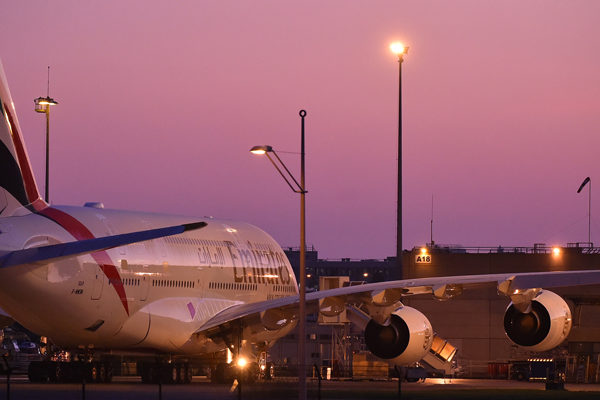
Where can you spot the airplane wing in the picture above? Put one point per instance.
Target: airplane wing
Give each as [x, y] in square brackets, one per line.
[71, 249]
[512, 285]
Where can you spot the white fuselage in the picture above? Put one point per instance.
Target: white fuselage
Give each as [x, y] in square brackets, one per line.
[150, 295]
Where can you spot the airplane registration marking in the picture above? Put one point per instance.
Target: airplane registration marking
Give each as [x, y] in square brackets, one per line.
[80, 232]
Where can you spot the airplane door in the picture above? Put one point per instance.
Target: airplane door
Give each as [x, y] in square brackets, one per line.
[98, 283]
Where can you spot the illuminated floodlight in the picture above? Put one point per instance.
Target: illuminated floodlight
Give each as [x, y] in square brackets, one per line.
[398, 49]
[242, 362]
[423, 250]
[366, 274]
[261, 150]
[556, 251]
[42, 104]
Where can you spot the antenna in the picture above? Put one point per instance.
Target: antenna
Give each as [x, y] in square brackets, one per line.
[431, 226]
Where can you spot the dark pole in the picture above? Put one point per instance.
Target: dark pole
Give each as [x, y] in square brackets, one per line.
[47, 191]
[48, 98]
[590, 214]
[585, 182]
[301, 189]
[399, 203]
[302, 272]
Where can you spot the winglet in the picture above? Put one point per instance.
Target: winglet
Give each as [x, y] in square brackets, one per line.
[193, 226]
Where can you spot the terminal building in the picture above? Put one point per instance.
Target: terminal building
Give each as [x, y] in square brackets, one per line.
[471, 323]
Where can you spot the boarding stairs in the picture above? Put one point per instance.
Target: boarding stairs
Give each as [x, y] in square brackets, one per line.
[440, 356]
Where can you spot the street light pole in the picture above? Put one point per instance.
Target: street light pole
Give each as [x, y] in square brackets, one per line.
[400, 50]
[585, 182]
[301, 189]
[302, 272]
[47, 186]
[42, 105]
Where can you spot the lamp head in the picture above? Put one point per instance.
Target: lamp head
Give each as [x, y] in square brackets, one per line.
[585, 181]
[398, 49]
[260, 150]
[42, 104]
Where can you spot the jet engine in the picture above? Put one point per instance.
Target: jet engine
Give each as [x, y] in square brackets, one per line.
[546, 326]
[405, 338]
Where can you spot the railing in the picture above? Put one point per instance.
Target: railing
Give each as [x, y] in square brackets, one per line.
[537, 248]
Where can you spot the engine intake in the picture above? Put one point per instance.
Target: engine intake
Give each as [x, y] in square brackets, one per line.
[405, 339]
[546, 326]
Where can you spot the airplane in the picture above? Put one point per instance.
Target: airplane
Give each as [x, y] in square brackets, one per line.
[99, 282]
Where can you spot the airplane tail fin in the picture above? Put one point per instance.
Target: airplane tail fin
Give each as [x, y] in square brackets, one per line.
[18, 190]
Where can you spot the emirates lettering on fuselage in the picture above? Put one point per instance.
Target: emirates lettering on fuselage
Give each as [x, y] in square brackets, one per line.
[209, 258]
[258, 264]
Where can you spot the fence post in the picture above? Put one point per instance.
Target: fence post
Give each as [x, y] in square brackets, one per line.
[319, 384]
[398, 370]
[7, 376]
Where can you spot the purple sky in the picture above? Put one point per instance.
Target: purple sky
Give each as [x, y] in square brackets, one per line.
[160, 102]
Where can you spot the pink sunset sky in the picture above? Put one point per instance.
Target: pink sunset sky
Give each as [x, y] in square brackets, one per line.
[160, 102]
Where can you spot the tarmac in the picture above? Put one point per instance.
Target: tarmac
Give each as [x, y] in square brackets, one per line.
[131, 388]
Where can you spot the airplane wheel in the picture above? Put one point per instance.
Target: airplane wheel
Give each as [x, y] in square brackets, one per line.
[251, 374]
[174, 373]
[146, 373]
[54, 372]
[165, 373]
[181, 373]
[218, 373]
[108, 374]
[269, 371]
[98, 372]
[37, 372]
[102, 372]
[187, 375]
[94, 373]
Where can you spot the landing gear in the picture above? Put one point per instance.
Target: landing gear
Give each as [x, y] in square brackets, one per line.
[40, 371]
[220, 374]
[269, 371]
[251, 373]
[100, 372]
[152, 372]
[226, 373]
[64, 371]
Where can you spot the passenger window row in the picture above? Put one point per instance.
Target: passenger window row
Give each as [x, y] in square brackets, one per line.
[177, 284]
[232, 286]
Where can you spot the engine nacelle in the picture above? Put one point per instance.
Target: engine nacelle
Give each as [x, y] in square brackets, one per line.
[545, 327]
[406, 339]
